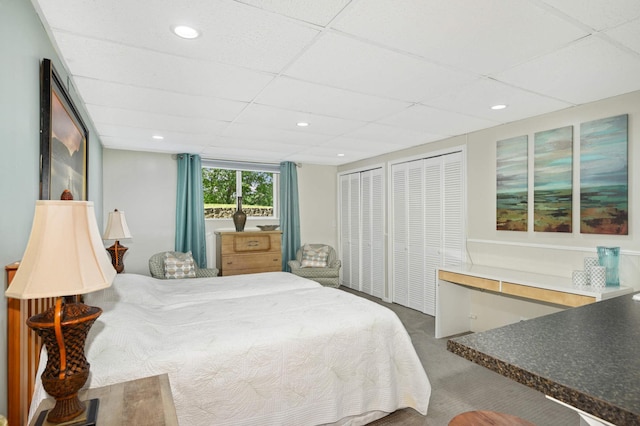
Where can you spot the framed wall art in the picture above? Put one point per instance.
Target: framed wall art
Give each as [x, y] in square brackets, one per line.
[604, 186]
[63, 140]
[553, 180]
[512, 184]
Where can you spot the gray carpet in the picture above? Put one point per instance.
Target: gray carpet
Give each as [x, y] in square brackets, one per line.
[458, 385]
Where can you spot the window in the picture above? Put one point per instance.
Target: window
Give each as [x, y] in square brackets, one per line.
[224, 181]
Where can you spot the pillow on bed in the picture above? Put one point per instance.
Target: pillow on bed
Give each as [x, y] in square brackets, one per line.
[179, 265]
[314, 257]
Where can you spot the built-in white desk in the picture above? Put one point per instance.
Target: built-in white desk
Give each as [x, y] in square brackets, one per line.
[453, 293]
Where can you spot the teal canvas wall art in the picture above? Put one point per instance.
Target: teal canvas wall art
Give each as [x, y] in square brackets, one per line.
[512, 184]
[604, 192]
[553, 180]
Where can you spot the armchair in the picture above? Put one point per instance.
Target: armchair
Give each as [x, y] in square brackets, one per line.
[328, 275]
[156, 267]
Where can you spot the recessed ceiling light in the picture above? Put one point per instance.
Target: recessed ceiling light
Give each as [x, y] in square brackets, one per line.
[302, 124]
[499, 106]
[185, 31]
[158, 137]
[340, 155]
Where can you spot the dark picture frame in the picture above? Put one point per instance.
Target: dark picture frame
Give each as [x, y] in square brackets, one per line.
[64, 140]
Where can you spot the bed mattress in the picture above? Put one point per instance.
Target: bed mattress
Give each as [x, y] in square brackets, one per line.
[259, 349]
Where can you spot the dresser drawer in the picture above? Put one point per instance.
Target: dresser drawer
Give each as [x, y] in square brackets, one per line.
[245, 243]
[246, 264]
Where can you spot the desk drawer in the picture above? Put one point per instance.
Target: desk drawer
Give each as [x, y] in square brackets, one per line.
[470, 281]
[544, 295]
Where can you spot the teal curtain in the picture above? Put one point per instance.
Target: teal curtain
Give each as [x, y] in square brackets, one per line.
[190, 231]
[289, 212]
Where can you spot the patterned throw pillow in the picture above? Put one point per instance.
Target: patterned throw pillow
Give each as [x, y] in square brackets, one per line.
[314, 257]
[179, 265]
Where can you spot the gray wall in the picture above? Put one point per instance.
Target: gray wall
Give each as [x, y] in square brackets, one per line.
[24, 44]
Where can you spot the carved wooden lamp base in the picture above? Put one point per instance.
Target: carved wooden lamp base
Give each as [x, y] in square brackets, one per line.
[88, 418]
[117, 253]
[64, 329]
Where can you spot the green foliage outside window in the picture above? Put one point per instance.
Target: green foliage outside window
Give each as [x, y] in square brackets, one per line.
[219, 189]
[219, 186]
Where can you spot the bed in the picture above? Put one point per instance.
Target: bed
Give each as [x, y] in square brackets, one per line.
[267, 349]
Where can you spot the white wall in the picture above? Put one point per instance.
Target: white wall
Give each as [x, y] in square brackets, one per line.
[550, 253]
[317, 187]
[143, 185]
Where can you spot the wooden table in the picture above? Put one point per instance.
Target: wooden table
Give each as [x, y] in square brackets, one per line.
[141, 402]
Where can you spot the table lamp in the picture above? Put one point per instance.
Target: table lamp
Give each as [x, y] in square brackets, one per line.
[117, 229]
[65, 257]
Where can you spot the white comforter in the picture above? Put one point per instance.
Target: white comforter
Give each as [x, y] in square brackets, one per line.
[261, 349]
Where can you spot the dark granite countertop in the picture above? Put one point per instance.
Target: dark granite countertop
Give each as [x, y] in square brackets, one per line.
[587, 357]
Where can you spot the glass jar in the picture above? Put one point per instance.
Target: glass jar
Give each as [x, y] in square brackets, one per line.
[609, 257]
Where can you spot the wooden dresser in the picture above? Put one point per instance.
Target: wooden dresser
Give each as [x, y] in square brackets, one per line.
[248, 252]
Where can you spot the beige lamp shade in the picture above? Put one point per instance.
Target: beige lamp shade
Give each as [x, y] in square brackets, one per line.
[65, 254]
[117, 228]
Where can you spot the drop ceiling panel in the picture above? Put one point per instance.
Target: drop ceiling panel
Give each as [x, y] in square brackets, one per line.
[313, 11]
[103, 93]
[117, 142]
[475, 99]
[479, 36]
[278, 148]
[143, 68]
[331, 154]
[367, 148]
[627, 34]
[231, 32]
[305, 158]
[583, 72]
[599, 14]
[154, 123]
[399, 136]
[436, 122]
[344, 62]
[287, 120]
[238, 130]
[297, 95]
[142, 135]
[265, 155]
[383, 73]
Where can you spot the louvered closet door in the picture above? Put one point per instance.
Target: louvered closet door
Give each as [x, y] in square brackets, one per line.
[378, 262]
[366, 284]
[400, 232]
[354, 230]
[416, 267]
[350, 229]
[345, 231]
[408, 234]
[428, 226]
[453, 224]
[433, 214]
[372, 241]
